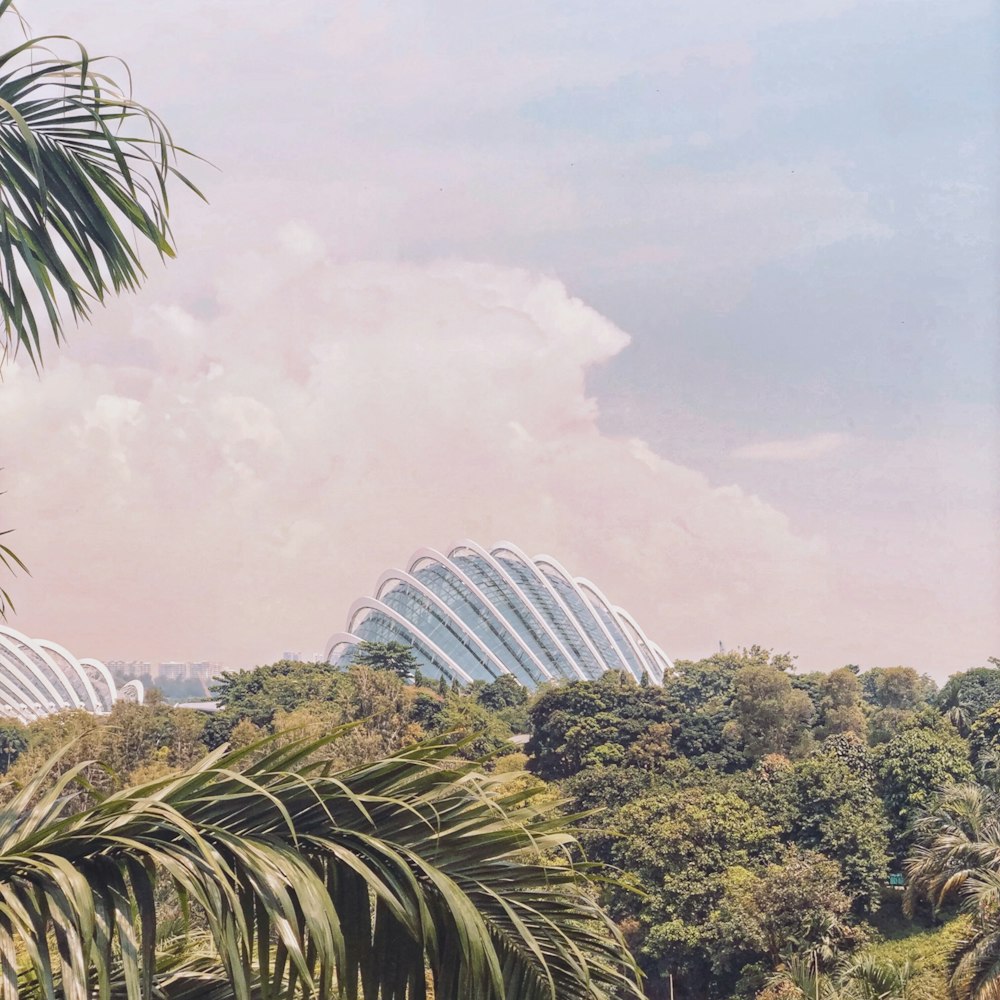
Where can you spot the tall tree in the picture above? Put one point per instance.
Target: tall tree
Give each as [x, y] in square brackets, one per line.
[913, 767]
[392, 656]
[967, 695]
[769, 714]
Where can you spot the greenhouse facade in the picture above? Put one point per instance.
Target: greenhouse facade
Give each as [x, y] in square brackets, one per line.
[476, 614]
[38, 677]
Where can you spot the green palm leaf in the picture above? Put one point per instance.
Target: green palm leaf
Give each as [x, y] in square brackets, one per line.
[957, 855]
[83, 172]
[359, 884]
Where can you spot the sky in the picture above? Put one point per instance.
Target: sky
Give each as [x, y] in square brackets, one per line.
[699, 299]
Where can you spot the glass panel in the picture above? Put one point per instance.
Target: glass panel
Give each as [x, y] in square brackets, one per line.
[585, 616]
[469, 607]
[611, 624]
[530, 630]
[557, 618]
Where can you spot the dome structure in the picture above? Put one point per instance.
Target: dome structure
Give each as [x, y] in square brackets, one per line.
[476, 614]
[38, 677]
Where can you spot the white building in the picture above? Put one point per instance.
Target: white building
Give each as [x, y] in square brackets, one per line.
[475, 614]
[39, 677]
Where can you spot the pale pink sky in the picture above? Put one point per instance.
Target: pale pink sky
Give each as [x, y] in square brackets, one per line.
[664, 295]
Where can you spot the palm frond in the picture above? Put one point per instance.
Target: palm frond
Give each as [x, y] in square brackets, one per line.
[84, 170]
[11, 562]
[357, 884]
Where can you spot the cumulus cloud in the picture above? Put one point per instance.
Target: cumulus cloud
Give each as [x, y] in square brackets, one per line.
[225, 486]
[793, 449]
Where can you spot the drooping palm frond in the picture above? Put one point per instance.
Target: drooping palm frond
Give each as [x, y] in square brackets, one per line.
[358, 884]
[83, 170]
[861, 978]
[800, 977]
[10, 561]
[957, 856]
[955, 841]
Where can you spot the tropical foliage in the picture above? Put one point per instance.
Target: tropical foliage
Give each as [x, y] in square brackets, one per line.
[957, 857]
[84, 173]
[733, 868]
[392, 879]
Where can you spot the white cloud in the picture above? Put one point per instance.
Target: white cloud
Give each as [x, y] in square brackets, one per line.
[793, 449]
[234, 494]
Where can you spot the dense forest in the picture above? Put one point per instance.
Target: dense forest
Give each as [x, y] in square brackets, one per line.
[770, 834]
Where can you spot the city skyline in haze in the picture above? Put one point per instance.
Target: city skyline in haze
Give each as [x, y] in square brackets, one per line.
[699, 299]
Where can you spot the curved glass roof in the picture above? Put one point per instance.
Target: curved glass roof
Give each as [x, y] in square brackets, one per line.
[38, 677]
[475, 614]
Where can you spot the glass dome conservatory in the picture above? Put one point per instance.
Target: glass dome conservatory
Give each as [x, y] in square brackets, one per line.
[38, 677]
[476, 614]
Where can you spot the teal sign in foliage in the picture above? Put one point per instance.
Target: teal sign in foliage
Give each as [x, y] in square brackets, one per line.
[895, 879]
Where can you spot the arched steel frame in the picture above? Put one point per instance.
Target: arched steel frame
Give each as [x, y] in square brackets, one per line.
[479, 551]
[604, 609]
[563, 575]
[645, 646]
[550, 625]
[38, 677]
[450, 619]
[433, 556]
[566, 619]
[371, 604]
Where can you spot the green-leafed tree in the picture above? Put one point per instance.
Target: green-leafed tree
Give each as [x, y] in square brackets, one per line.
[13, 742]
[505, 692]
[590, 723]
[895, 695]
[912, 769]
[823, 804]
[769, 715]
[968, 695]
[677, 847]
[391, 656]
[480, 733]
[793, 905]
[839, 705]
[375, 881]
[701, 693]
[255, 695]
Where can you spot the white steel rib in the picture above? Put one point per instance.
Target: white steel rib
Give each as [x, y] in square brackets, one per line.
[371, 604]
[599, 603]
[499, 611]
[433, 556]
[570, 583]
[450, 619]
[529, 606]
[642, 642]
[38, 677]
[565, 619]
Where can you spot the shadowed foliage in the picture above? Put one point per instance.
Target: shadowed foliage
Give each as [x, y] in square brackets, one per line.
[371, 882]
